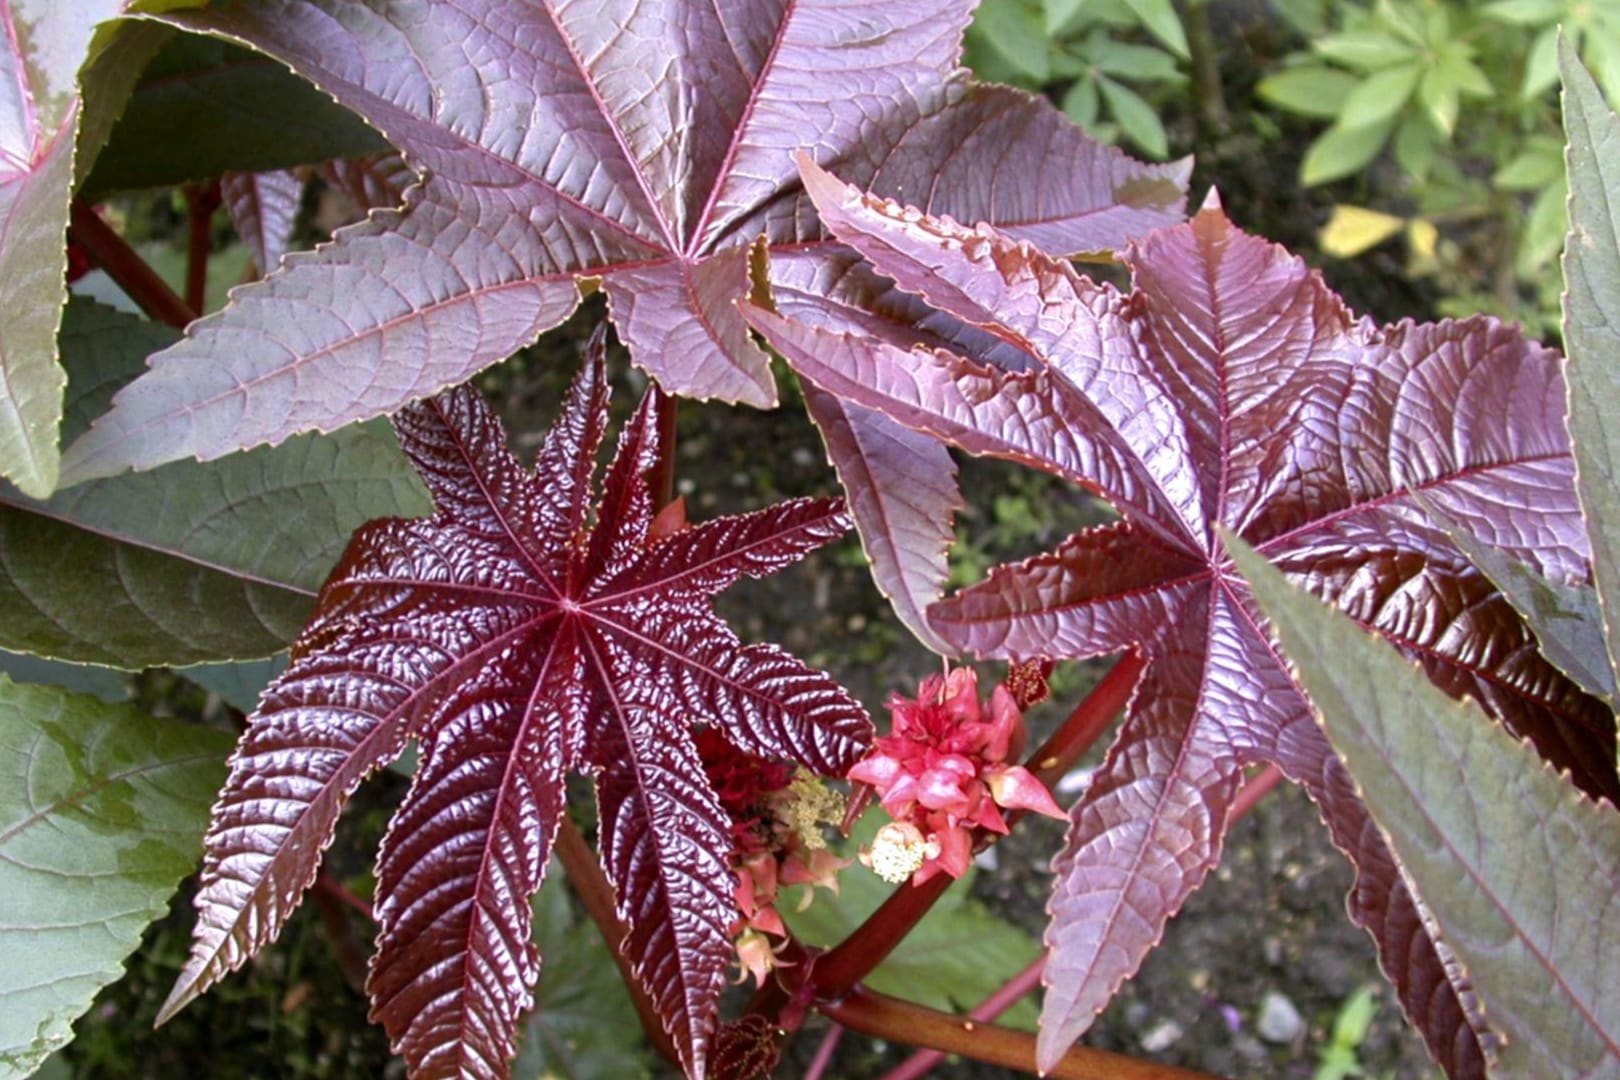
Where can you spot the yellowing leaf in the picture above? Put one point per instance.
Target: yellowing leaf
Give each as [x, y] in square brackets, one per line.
[1354, 229]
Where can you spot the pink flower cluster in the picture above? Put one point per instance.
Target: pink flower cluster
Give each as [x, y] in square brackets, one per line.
[941, 772]
[776, 817]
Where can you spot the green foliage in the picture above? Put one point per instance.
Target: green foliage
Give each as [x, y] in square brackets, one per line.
[101, 812]
[1455, 91]
[1340, 1057]
[1592, 327]
[1515, 865]
[1094, 54]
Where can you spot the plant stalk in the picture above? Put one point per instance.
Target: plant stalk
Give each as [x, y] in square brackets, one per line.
[991, 1008]
[877, 1014]
[113, 254]
[201, 202]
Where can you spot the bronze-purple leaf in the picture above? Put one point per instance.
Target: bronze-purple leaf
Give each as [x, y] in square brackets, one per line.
[646, 145]
[1230, 387]
[517, 636]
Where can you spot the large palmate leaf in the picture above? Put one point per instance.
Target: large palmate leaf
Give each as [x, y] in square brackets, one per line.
[43, 46]
[100, 810]
[518, 638]
[647, 145]
[191, 562]
[1592, 324]
[1519, 869]
[1231, 387]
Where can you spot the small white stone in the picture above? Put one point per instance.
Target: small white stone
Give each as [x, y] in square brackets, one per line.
[1279, 1020]
[1161, 1036]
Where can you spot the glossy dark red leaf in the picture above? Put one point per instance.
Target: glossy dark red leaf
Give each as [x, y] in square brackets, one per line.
[649, 146]
[518, 635]
[1230, 386]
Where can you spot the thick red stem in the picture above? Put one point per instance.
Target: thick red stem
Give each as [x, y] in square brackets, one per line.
[877, 1014]
[918, 1064]
[1252, 791]
[1089, 720]
[201, 202]
[991, 1008]
[113, 254]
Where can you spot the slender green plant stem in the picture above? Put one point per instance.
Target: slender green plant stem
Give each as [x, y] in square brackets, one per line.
[201, 202]
[113, 254]
[877, 1014]
[591, 886]
[1209, 99]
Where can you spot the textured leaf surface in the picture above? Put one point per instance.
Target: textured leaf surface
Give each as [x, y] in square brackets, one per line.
[902, 485]
[42, 47]
[204, 107]
[516, 639]
[553, 150]
[101, 807]
[263, 207]
[191, 562]
[1229, 388]
[1566, 617]
[1520, 870]
[1592, 323]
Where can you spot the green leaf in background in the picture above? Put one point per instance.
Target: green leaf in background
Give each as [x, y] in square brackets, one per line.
[1378, 97]
[1160, 17]
[1518, 868]
[191, 562]
[956, 957]
[1342, 151]
[1136, 117]
[238, 682]
[104, 683]
[102, 810]
[1364, 50]
[582, 1026]
[1017, 32]
[204, 108]
[1312, 91]
[1592, 325]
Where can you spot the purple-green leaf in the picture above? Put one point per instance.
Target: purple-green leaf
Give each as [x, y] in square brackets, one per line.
[519, 637]
[42, 47]
[552, 150]
[1229, 387]
[100, 809]
[1592, 324]
[190, 562]
[1519, 869]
